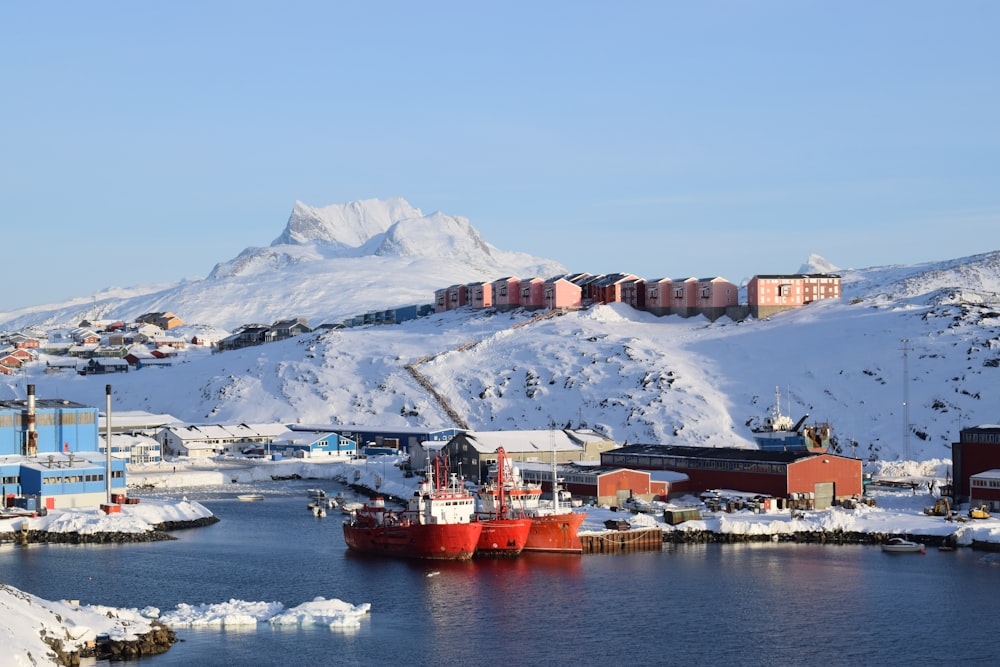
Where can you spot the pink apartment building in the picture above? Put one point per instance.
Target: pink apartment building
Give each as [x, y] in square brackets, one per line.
[480, 295]
[714, 296]
[773, 293]
[658, 296]
[560, 292]
[506, 294]
[532, 293]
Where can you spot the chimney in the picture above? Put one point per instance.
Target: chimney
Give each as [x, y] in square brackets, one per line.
[107, 441]
[31, 437]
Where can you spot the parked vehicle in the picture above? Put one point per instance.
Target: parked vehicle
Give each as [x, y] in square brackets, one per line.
[981, 512]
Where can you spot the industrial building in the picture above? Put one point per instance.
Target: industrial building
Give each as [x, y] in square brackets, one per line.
[977, 451]
[828, 477]
[49, 455]
[472, 453]
[602, 485]
[984, 489]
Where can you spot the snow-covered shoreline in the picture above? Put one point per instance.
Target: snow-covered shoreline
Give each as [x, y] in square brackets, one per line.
[893, 512]
[144, 521]
[35, 631]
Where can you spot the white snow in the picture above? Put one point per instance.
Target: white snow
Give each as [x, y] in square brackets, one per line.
[133, 518]
[27, 618]
[235, 613]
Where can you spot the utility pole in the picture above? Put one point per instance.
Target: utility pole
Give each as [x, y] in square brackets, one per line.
[906, 398]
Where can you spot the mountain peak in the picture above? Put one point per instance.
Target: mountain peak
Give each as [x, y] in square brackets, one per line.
[816, 264]
[344, 226]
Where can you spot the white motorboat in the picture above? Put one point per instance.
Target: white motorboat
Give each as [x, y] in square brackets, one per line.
[897, 545]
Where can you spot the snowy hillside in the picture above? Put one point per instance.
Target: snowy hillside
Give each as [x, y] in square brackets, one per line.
[933, 329]
[328, 264]
[638, 377]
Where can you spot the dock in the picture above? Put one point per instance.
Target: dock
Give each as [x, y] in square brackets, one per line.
[622, 541]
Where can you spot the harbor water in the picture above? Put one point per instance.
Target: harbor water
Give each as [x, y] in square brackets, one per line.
[732, 604]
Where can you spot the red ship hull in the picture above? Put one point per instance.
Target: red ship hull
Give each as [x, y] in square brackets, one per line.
[555, 533]
[433, 541]
[502, 538]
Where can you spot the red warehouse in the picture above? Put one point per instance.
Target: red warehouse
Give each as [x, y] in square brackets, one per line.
[829, 476]
[977, 451]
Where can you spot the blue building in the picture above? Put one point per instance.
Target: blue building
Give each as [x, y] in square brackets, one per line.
[49, 451]
[57, 426]
[310, 444]
[389, 440]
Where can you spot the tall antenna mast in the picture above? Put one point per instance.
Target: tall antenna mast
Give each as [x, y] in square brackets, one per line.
[906, 398]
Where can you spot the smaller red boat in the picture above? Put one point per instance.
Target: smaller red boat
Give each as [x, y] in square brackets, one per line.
[505, 527]
[553, 527]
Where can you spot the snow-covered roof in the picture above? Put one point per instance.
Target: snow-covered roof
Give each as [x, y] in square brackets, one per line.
[125, 419]
[667, 476]
[531, 441]
[194, 432]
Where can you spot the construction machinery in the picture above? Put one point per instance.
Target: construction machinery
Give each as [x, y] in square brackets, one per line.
[981, 512]
[941, 508]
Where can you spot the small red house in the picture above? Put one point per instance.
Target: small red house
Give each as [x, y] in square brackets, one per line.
[559, 292]
[532, 293]
[506, 293]
[658, 296]
[480, 295]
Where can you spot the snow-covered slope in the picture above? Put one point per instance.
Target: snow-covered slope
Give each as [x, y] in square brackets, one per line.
[638, 377]
[928, 335]
[328, 264]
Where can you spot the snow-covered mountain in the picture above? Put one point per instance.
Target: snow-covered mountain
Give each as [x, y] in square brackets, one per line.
[329, 263]
[927, 335]
[817, 264]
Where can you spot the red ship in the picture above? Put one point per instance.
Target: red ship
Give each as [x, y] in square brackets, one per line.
[553, 527]
[505, 525]
[437, 523]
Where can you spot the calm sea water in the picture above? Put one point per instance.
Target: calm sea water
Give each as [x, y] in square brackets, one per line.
[759, 604]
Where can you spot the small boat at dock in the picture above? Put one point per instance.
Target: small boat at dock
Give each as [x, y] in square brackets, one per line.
[897, 545]
[351, 507]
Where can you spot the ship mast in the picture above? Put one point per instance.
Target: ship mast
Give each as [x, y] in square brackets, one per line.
[500, 509]
[555, 480]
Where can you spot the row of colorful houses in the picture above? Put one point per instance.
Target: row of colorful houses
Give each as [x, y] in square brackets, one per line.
[687, 297]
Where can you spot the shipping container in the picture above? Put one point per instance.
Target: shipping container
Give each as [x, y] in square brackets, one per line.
[676, 516]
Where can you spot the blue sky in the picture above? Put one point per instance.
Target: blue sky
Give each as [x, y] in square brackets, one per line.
[144, 142]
